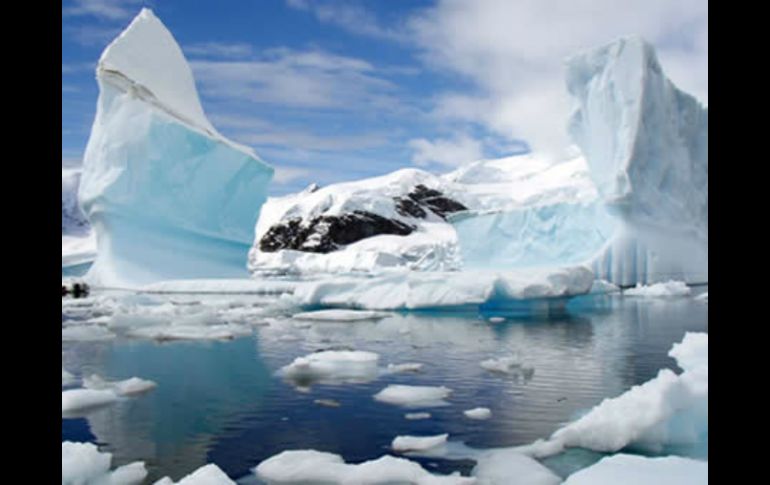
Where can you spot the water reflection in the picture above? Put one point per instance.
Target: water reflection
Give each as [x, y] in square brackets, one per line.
[224, 402]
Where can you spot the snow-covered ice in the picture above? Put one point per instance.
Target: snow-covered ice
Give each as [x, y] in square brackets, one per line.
[340, 315]
[670, 409]
[166, 194]
[659, 290]
[417, 443]
[478, 413]
[412, 290]
[332, 366]
[310, 466]
[83, 463]
[128, 387]
[641, 470]
[206, 475]
[417, 416]
[414, 396]
[73, 400]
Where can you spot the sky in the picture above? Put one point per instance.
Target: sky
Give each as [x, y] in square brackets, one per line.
[336, 90]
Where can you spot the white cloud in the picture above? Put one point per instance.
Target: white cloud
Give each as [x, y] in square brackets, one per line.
[514, 53]
[283, 175]
[446, 151]
[306, 79]
[351, 17]
[104, 9]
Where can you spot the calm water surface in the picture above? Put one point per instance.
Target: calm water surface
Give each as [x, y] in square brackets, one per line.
[222, 402]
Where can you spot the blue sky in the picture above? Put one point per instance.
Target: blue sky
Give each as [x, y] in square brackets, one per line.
[336, 90]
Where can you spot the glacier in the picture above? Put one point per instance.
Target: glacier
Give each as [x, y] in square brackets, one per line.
[168, 197]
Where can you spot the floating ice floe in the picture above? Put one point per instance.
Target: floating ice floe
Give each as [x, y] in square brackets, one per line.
[332, 366]
[507, 365]
[206, 475]
[417, 443]
[74, 400]
[704, 297]
[496, 319]
[478, 413]
[86, 333]
[641, 470]
[659, 290]
[405, 367]
[499, 467]
[310, 466]
[83, 463]
[191, 332]
[341, 315]
[414, 396]
[131, 386]
[416, 416]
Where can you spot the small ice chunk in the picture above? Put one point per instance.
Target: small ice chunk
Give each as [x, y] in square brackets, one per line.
[416, 416]
[206, 475]
[659, 290]
[496, 320]
[418, 443]
[642, 470]
[83, 463]
[414, 396]
[86, 333]
[406, 367]
[505, 365]
[67, 379]
[704, 297]
[341, 315]
[79, 399]
[338, 366]
[478, 413]
[310, 466]
[329, 403]
[133, 385]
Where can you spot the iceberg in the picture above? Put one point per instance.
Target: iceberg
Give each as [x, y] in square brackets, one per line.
[83, 463]
[78, 243]
[168, 197]
[646, 143]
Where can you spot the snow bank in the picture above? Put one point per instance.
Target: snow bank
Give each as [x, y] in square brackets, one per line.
[167, 196]
[417, 443]
[83, 463]
[414, 396]
[206, 475]
[639, 470]
[659, 290]
[310, 466]
[478, 413]
[332, 366]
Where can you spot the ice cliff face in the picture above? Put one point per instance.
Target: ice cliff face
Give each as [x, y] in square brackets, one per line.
[167, 195]
[646, 143]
